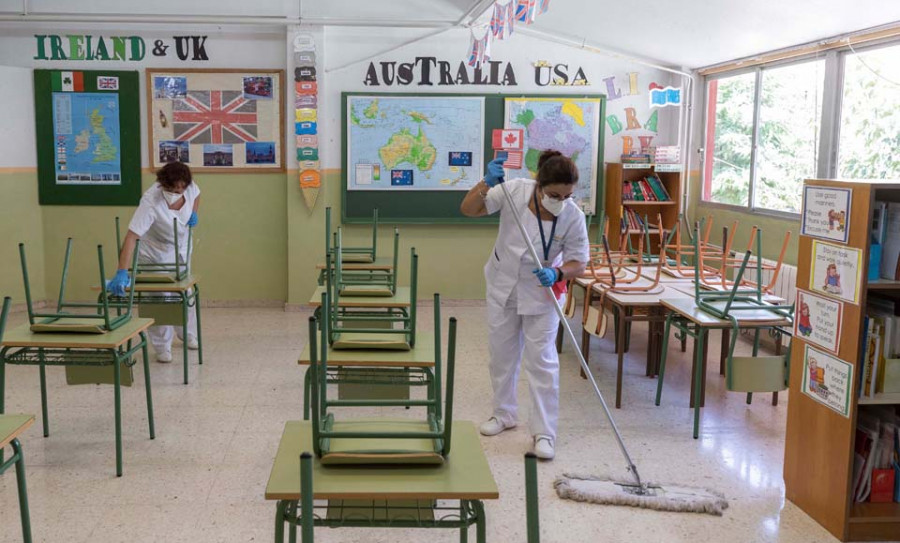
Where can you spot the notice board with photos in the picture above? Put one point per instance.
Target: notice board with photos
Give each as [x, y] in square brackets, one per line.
[216, 120]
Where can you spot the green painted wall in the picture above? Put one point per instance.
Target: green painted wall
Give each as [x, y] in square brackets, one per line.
[240, 243]
[20, 221]
[773, 228]
[451, 257]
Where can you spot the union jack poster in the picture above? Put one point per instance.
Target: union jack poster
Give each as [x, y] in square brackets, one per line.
[217, 120]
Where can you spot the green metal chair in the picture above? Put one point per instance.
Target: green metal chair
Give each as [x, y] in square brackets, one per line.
[100, 321]
[372, 328]
[162, 272]
[17, 459]
[354, 254]
[532, 512]
[361, 283]
[424, 440]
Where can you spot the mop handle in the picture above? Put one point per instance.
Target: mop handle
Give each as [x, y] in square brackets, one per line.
[562, 318]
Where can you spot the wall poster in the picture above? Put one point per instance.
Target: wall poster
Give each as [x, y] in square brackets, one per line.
[826, 213]
[827, 380]
[818, 320]
[835, 271]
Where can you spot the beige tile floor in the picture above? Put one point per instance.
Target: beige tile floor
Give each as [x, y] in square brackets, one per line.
[203, 478]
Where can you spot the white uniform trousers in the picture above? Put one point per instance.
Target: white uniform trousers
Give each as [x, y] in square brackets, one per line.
[161, 336]
[529, 340]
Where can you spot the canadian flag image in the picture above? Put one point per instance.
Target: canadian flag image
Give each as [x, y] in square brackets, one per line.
[506, 139]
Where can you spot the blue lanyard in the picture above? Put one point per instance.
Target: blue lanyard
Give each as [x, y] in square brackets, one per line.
[546, 246]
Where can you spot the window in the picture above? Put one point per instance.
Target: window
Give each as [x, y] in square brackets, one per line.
[784, 118]
[870, 115]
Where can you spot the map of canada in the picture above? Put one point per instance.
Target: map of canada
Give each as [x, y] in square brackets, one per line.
[86, 132]
[568, 125]
[405, 142]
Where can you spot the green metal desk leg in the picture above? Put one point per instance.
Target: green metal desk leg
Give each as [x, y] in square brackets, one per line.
[662, 357]
[45, 418]
[117, 371]
[279, 521]
[464, 528]
[146, 356]
[698, 379]
[23, 493]
[199, 333]
[480, 522]
[184, 331]
[306, 392]
[306, 500]
[2, 390]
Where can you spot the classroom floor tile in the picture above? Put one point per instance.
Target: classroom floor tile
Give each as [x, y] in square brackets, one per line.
[203, 478]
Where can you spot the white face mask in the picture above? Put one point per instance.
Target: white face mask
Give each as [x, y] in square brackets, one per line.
[553, 205]
[172, 198]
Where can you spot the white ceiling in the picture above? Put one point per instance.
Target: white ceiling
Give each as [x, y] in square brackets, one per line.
[688, 33]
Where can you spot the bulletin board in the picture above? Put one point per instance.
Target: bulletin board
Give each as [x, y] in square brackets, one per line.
[88, 137]
[438, 197]
[216, 120]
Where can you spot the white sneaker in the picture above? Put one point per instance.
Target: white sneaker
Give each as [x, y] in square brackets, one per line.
[164, 356]
[192, 343]
[543, 447]
[493, 426]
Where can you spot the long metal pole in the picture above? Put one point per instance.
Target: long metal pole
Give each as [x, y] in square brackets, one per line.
[562, 318]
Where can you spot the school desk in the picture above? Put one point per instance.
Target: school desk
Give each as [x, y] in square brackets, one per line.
[118, 348]
[381, 497]
[380, 265]
[11, 427]
[168, 304]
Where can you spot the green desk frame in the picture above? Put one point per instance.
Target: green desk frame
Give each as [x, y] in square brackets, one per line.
[379, 497]
[117, 349]
[11, 426]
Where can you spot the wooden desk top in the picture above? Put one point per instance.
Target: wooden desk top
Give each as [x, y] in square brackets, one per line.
[420, 356]
[22, 336]
[464, 475]
[180, 286]
[11, 426]
[687, 308]
[380, 264]
[398, 300]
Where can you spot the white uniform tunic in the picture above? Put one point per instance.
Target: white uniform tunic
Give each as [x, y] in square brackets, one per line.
[521, 319]
[153, 223]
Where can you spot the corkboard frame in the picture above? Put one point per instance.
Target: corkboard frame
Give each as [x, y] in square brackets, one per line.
[279, 88]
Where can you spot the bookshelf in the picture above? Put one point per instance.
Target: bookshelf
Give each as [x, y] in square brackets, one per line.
[820, 442]
[616, 176]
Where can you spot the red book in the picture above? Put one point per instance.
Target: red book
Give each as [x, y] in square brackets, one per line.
[882, 486]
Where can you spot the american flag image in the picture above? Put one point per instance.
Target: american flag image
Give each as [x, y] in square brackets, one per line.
[214, 117]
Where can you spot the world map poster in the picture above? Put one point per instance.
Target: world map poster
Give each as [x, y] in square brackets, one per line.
[414, 143]
[86, 137]
[568, 125]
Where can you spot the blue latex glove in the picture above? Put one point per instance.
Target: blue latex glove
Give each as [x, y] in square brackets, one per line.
[192, 222]
[119, 283]
[494, 174]
[547, 276]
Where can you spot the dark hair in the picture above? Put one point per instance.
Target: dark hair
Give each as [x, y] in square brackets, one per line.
[555, 168]
[173, 174]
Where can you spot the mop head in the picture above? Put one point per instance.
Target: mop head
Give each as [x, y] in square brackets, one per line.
[662, 497]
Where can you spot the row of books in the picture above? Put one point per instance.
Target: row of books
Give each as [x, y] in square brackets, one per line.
[633, 219]
[648, 189]
[635, 157]
[876, 458]
[881, 365]
[886, 233]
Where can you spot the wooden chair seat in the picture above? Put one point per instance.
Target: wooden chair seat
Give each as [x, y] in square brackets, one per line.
[367, 290]
[359, 340]
[67, 328]
[147, 277]
[357, 451]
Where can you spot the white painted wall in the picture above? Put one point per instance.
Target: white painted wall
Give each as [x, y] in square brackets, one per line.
[17, 147]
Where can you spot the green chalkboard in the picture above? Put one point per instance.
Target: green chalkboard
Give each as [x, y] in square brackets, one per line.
[437, 206]
[84, 157]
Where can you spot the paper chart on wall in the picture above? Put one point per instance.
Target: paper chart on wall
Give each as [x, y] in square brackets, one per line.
[826, 213]
[818, 320]
[835, 271]
[827, 380]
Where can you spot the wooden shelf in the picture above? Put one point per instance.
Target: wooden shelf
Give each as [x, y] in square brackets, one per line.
[883, 284]
[658, 167]
[880, 399]
[875, 512]
[647, 203]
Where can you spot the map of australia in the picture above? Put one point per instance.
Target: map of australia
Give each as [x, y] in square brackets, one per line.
[568, 125]
[405, 143]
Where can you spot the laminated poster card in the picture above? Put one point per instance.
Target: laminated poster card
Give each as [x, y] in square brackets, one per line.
[835, 271]
[818, 320]
[827, 380]
[826, 213]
